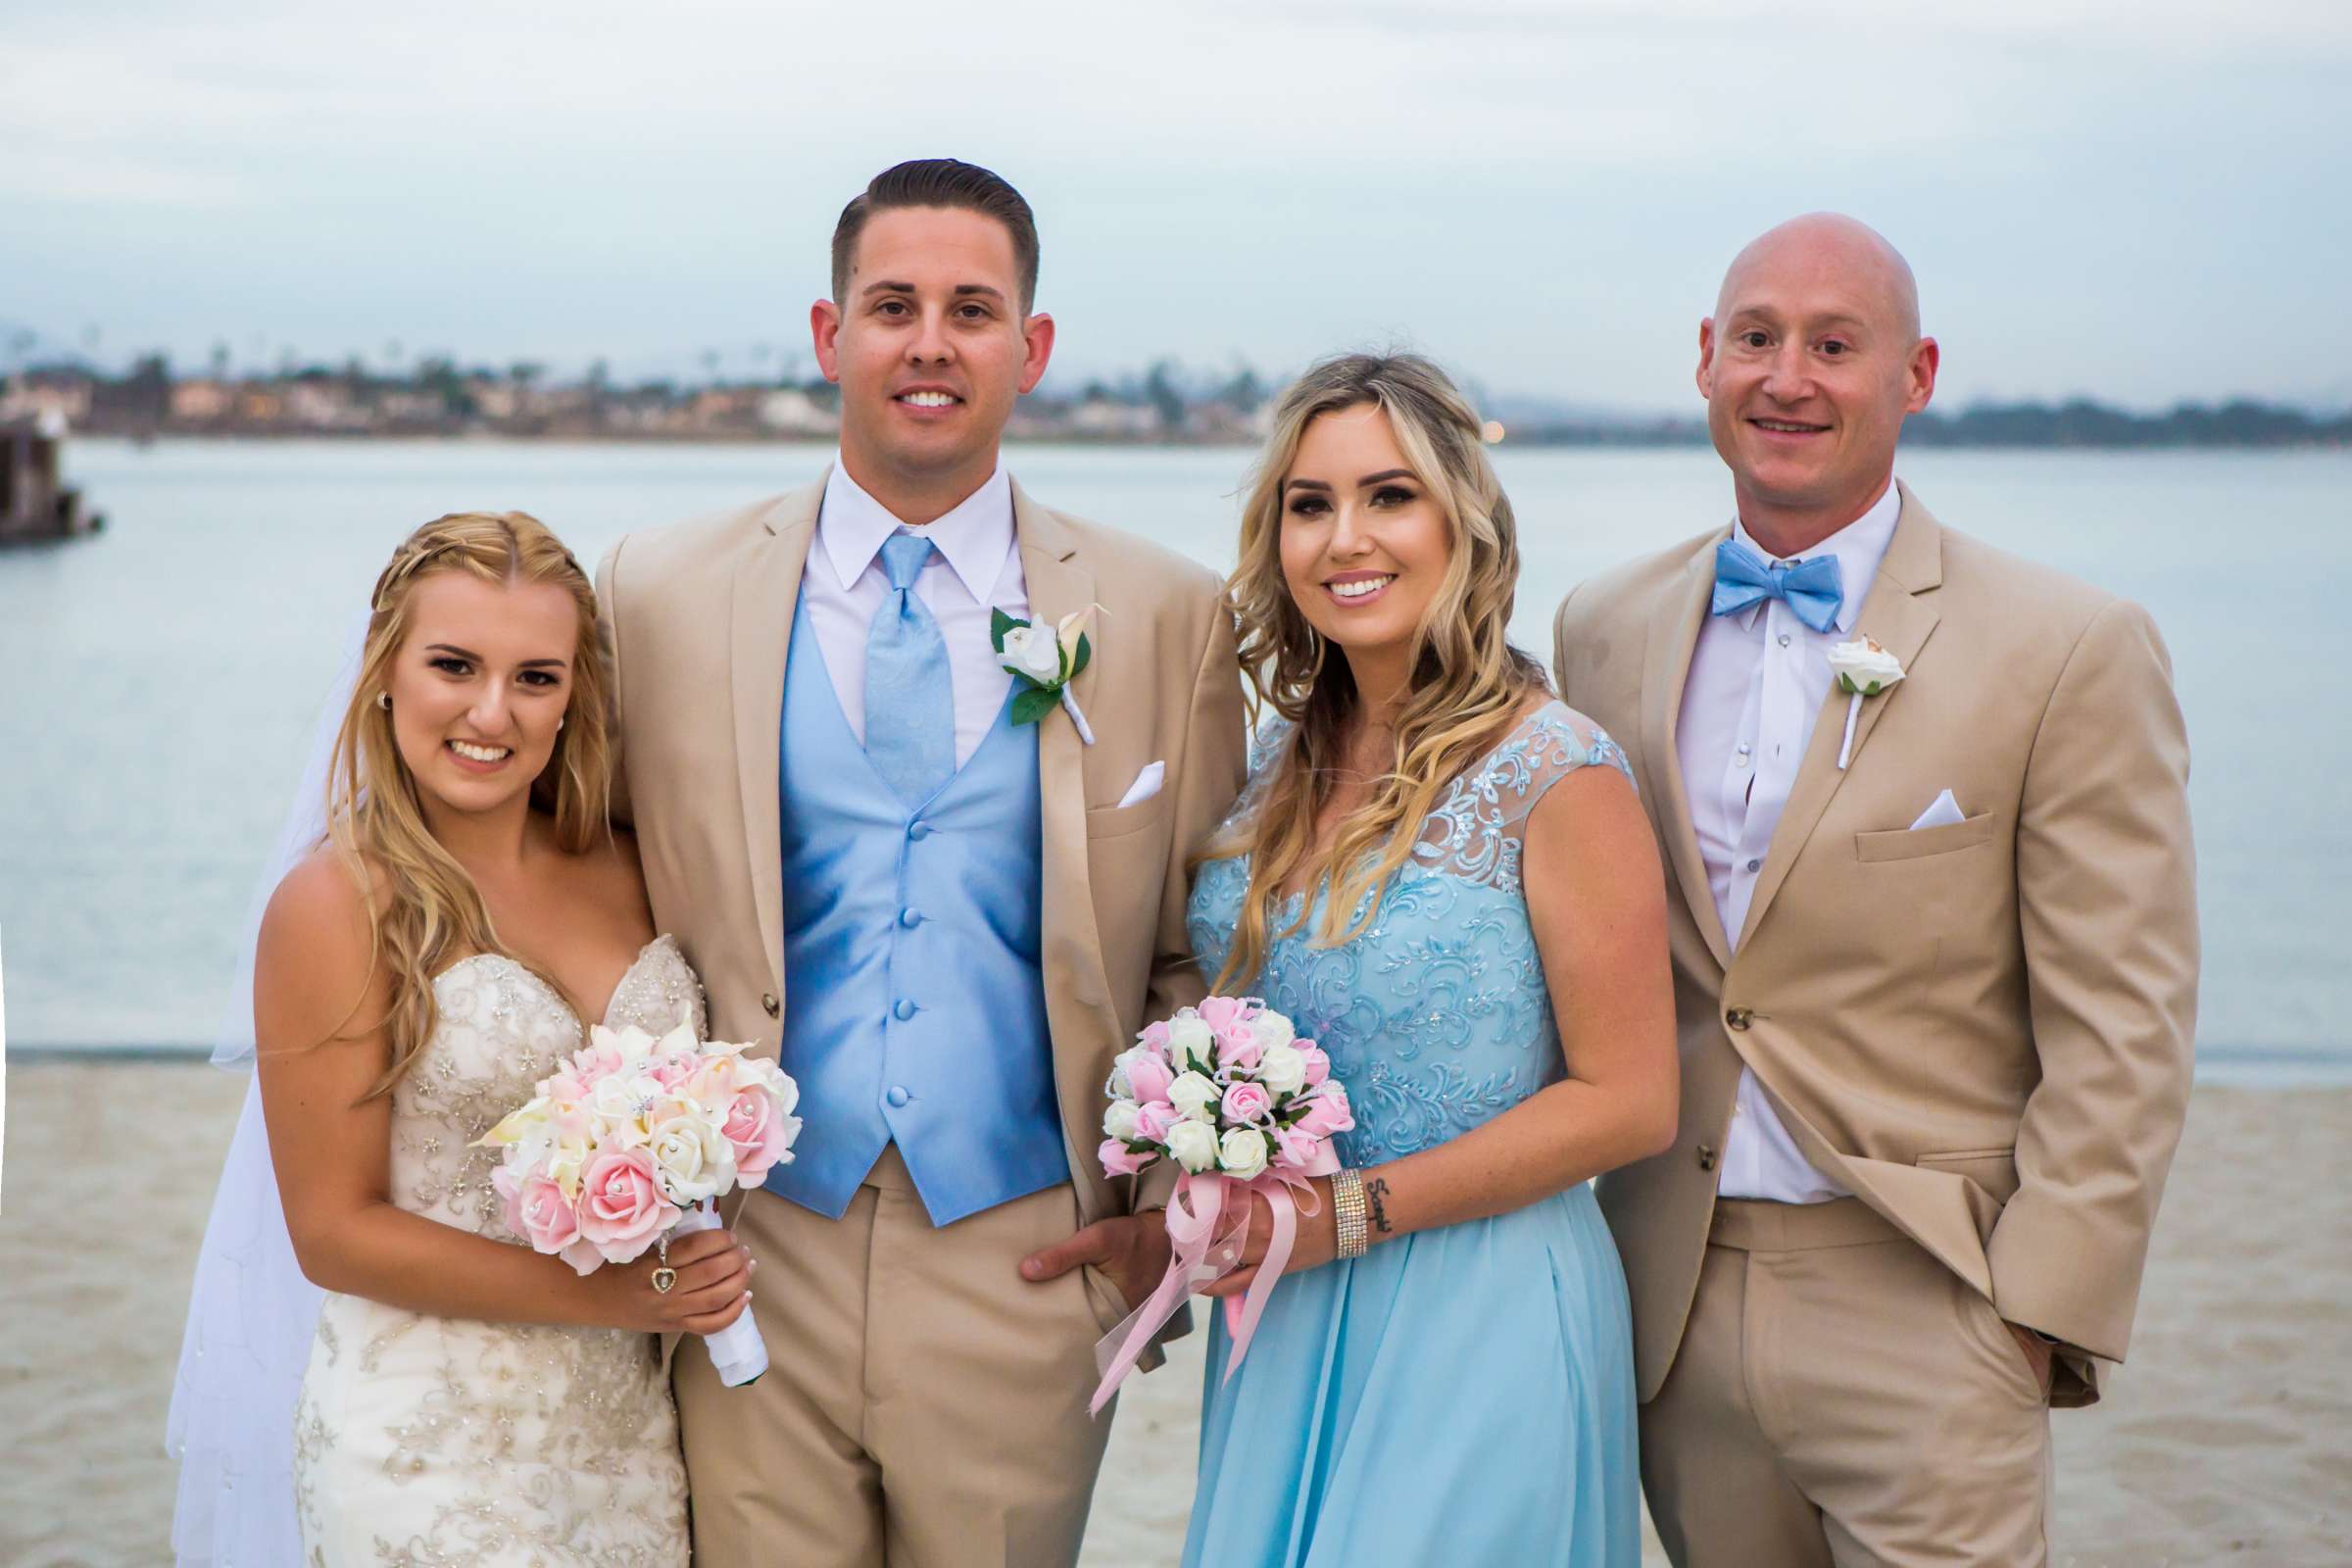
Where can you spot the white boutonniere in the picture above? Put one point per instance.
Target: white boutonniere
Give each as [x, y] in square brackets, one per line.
[1045, 659]
[1863, 669]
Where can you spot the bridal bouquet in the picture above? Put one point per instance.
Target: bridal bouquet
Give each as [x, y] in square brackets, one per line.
[631, 1143]
[1241, 1105]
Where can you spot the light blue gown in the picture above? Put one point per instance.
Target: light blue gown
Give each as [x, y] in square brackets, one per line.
[1458, 1395]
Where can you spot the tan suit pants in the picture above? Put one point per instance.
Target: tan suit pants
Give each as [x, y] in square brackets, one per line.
[1842, 1398]
[924, 1405]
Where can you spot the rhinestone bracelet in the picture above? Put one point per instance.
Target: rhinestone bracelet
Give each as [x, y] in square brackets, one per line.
[1349, 1210]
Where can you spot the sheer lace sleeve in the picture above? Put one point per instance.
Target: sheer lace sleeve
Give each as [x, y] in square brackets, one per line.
[1474, 832]
[1266, 747]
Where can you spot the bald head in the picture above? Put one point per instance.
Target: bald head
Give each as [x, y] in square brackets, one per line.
[1810, 364]
[1837, 252]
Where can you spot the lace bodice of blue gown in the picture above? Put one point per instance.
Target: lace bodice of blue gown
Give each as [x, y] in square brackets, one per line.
[1458, 1394]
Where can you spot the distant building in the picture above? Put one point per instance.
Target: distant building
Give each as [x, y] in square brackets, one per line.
[32, 504]
[789, 410]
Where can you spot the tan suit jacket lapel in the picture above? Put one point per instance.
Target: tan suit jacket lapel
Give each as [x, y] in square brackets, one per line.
[767, 590]
[1901, 622]
[1078, 1008]
[1672, 637]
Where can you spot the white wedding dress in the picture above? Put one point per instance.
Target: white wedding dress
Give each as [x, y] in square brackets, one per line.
[422, 1439]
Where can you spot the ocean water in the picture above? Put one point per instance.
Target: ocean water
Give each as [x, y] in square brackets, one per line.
[158, 682]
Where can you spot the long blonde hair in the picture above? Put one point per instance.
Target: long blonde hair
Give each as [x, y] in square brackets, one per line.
[1467, 685]
[428, 913]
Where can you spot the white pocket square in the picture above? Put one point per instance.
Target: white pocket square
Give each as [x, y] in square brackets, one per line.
[1942, 812]
[1147, 784]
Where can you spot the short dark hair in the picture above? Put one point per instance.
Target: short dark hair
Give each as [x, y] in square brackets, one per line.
[940, 182]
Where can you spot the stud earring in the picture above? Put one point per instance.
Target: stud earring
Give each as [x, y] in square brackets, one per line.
[383, 699]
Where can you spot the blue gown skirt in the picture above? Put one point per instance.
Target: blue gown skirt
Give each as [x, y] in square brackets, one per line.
[1459, 1395]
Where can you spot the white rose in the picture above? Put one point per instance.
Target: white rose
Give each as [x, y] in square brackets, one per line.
[1196, 1097]
[1282, 1069]
[1194, 1144]
[693, 1162]
[1271, 1029]
[1033, 650]
[1118, 1088]
[1862, 667]
[1243, 1152]
[1119, 1120]
[1191, 1042]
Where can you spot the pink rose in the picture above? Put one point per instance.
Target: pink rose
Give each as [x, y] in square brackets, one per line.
[1247, 1103]
[673, 1070]
[1148, 1076]
[621, 1207]
[1318, 1066]
[1237, 1047]
[592, 1062]
[1327, 1112]
[537, 1212]
[1155, 1036]
[761, 1133]
[1221, 1013]
[1121, 1160]
[1153, 1119]
[1295, 1146]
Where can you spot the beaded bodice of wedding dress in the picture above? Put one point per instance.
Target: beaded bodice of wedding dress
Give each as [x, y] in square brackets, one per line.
[422, 1439]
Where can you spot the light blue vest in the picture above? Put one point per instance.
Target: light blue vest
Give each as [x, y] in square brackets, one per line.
[914, 1008]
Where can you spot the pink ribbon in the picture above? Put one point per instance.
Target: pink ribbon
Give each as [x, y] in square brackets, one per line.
[1204, 1256]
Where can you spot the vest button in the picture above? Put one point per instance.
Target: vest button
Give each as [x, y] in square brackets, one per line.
[1706, 1157]
[910, 918]
[918, 831]
[768, 1001]
[897, 1097]
[903, 1011]
[1738, 1018]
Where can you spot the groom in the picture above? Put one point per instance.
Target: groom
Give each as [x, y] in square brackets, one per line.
[1937, 991]
[945, 911]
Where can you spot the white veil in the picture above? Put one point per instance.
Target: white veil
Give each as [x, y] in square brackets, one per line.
[251, 1314]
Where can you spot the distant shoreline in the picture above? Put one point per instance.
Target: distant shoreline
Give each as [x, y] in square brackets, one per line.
[1687, 440]
[2246, 1066]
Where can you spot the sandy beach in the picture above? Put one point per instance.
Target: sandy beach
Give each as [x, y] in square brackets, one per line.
[2227, 1437]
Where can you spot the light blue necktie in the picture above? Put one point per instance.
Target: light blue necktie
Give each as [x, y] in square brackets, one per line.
[1812, 589]
[909, 700]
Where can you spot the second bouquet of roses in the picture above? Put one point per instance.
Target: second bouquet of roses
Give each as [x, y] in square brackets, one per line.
[1230, 1094]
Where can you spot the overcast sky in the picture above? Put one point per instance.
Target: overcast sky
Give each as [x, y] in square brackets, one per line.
[2145, 202]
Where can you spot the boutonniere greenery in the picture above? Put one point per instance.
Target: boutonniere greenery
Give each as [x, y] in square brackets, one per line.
[1044, 657]
[1863, 669]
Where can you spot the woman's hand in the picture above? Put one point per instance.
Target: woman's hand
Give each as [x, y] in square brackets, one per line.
[712, 1288]
[1316, 1244]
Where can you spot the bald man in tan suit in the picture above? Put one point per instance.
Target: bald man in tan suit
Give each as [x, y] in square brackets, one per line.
[1936, 989]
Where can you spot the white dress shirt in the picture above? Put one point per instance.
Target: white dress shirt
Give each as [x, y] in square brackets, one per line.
[1758, 679]
[975, 567]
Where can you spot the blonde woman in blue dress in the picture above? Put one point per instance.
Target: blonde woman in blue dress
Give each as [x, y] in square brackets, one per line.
[1445, 877]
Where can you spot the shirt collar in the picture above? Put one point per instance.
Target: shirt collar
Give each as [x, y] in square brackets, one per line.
[1860, 546]
[974, 538]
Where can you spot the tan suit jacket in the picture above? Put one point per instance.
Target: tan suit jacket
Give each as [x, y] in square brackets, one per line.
[698, 618]
[1983, 1030]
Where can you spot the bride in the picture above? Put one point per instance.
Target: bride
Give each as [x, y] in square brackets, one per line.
[467, 1399]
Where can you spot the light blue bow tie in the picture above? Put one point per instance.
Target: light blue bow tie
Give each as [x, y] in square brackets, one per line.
[1812, 589]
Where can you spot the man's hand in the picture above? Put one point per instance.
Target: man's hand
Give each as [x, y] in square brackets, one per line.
[1132, 1249]
[2038, 1355]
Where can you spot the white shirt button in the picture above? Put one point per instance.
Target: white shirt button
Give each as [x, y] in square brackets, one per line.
[1784, 639]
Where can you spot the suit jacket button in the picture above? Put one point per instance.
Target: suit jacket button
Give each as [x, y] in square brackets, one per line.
[1738, 1018]
[768, 1000]
[1706, 1157]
